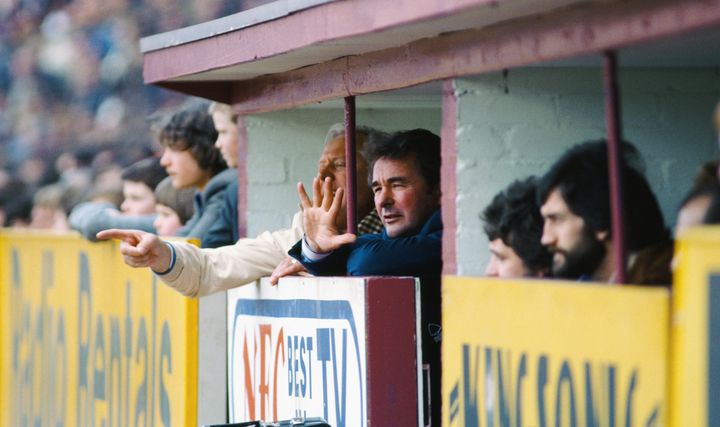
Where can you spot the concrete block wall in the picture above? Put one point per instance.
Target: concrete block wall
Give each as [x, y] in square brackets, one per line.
[516, 124]
[284, 146]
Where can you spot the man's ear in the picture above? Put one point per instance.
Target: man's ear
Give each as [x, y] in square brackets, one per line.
[602, 236]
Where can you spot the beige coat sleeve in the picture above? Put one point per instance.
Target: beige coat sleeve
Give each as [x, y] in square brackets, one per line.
[198, 272]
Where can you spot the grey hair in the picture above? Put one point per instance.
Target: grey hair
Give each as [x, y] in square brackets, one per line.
[371, 134]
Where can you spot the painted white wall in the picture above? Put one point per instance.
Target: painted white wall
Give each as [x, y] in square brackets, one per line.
[514, 126]
[212, 359]
[284, 146]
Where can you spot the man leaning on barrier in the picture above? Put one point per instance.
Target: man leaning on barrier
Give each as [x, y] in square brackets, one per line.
[197, 272]
[406, 185]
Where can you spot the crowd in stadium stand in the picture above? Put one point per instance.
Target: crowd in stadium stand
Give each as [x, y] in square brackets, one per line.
[73, 106]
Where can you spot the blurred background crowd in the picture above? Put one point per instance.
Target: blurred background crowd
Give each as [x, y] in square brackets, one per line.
[73, 107]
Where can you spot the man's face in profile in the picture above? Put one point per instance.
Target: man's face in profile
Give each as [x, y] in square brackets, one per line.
[576, 250]
[403, 199]
[504, 261]
[228, 137]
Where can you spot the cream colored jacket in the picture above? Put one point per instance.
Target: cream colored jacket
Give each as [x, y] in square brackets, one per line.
[230, 266]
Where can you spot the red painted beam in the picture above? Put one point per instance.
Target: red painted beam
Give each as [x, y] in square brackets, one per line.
[448, 177]
[392, 356]
[217, 91]
[590, 28]
[615, 175]
[350, 165]
[330, 22]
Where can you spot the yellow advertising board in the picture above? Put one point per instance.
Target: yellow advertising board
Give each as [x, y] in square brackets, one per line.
[540, 353]
[695, 353]
[87, 341]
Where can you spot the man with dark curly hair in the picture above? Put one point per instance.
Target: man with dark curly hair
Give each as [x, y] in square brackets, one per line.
[192, 161]
[575, 203]
[514, 226]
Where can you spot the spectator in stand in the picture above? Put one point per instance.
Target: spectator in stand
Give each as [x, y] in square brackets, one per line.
[35, 173]
[225, 230]
[70, 72]
[48, 212]
[198, 272]
[139, 182]
[707, 173]
[696, 206]
[137, 210]
[712, 216]
[15, 202]
[174, 208]
[575, 205]
[3, 209]
[192, 161]
[514, 227]
[701, 206]
[18, 211]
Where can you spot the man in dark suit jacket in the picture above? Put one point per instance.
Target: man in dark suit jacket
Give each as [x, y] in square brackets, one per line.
[405, 182]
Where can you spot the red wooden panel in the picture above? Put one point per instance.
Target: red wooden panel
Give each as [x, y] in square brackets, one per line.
[392, 371]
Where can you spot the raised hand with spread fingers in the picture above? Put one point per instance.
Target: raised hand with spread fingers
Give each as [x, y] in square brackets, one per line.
[320, 217]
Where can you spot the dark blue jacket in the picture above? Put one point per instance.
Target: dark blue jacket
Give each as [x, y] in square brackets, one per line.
[224, 231]
[417, 255]
[208, 205]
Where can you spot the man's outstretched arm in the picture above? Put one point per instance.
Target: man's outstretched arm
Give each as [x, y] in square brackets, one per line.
[142, 249]
[199, 272]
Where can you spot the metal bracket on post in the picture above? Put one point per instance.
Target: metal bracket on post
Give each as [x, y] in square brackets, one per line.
[350, 165]
[614, 138]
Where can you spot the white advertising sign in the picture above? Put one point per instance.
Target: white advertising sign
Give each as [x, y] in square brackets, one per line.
[298, 350]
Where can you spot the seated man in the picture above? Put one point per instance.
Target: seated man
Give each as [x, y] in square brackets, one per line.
[137, 210]
[575, 204]
[197, 272]
[192, 161]
[696, 205]
[701, 205]
[174, 207]
[406, 184]
[224, 231]
[712, 216]
[514, 227]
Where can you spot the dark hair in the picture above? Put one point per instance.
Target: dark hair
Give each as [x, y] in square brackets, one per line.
[514, 217]
[192, 129]
[421, 143]
[581, 176]
[18, 208]
[712, 216]
[711, 190]
[148, 171]
[179, 200]
[707, 174]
